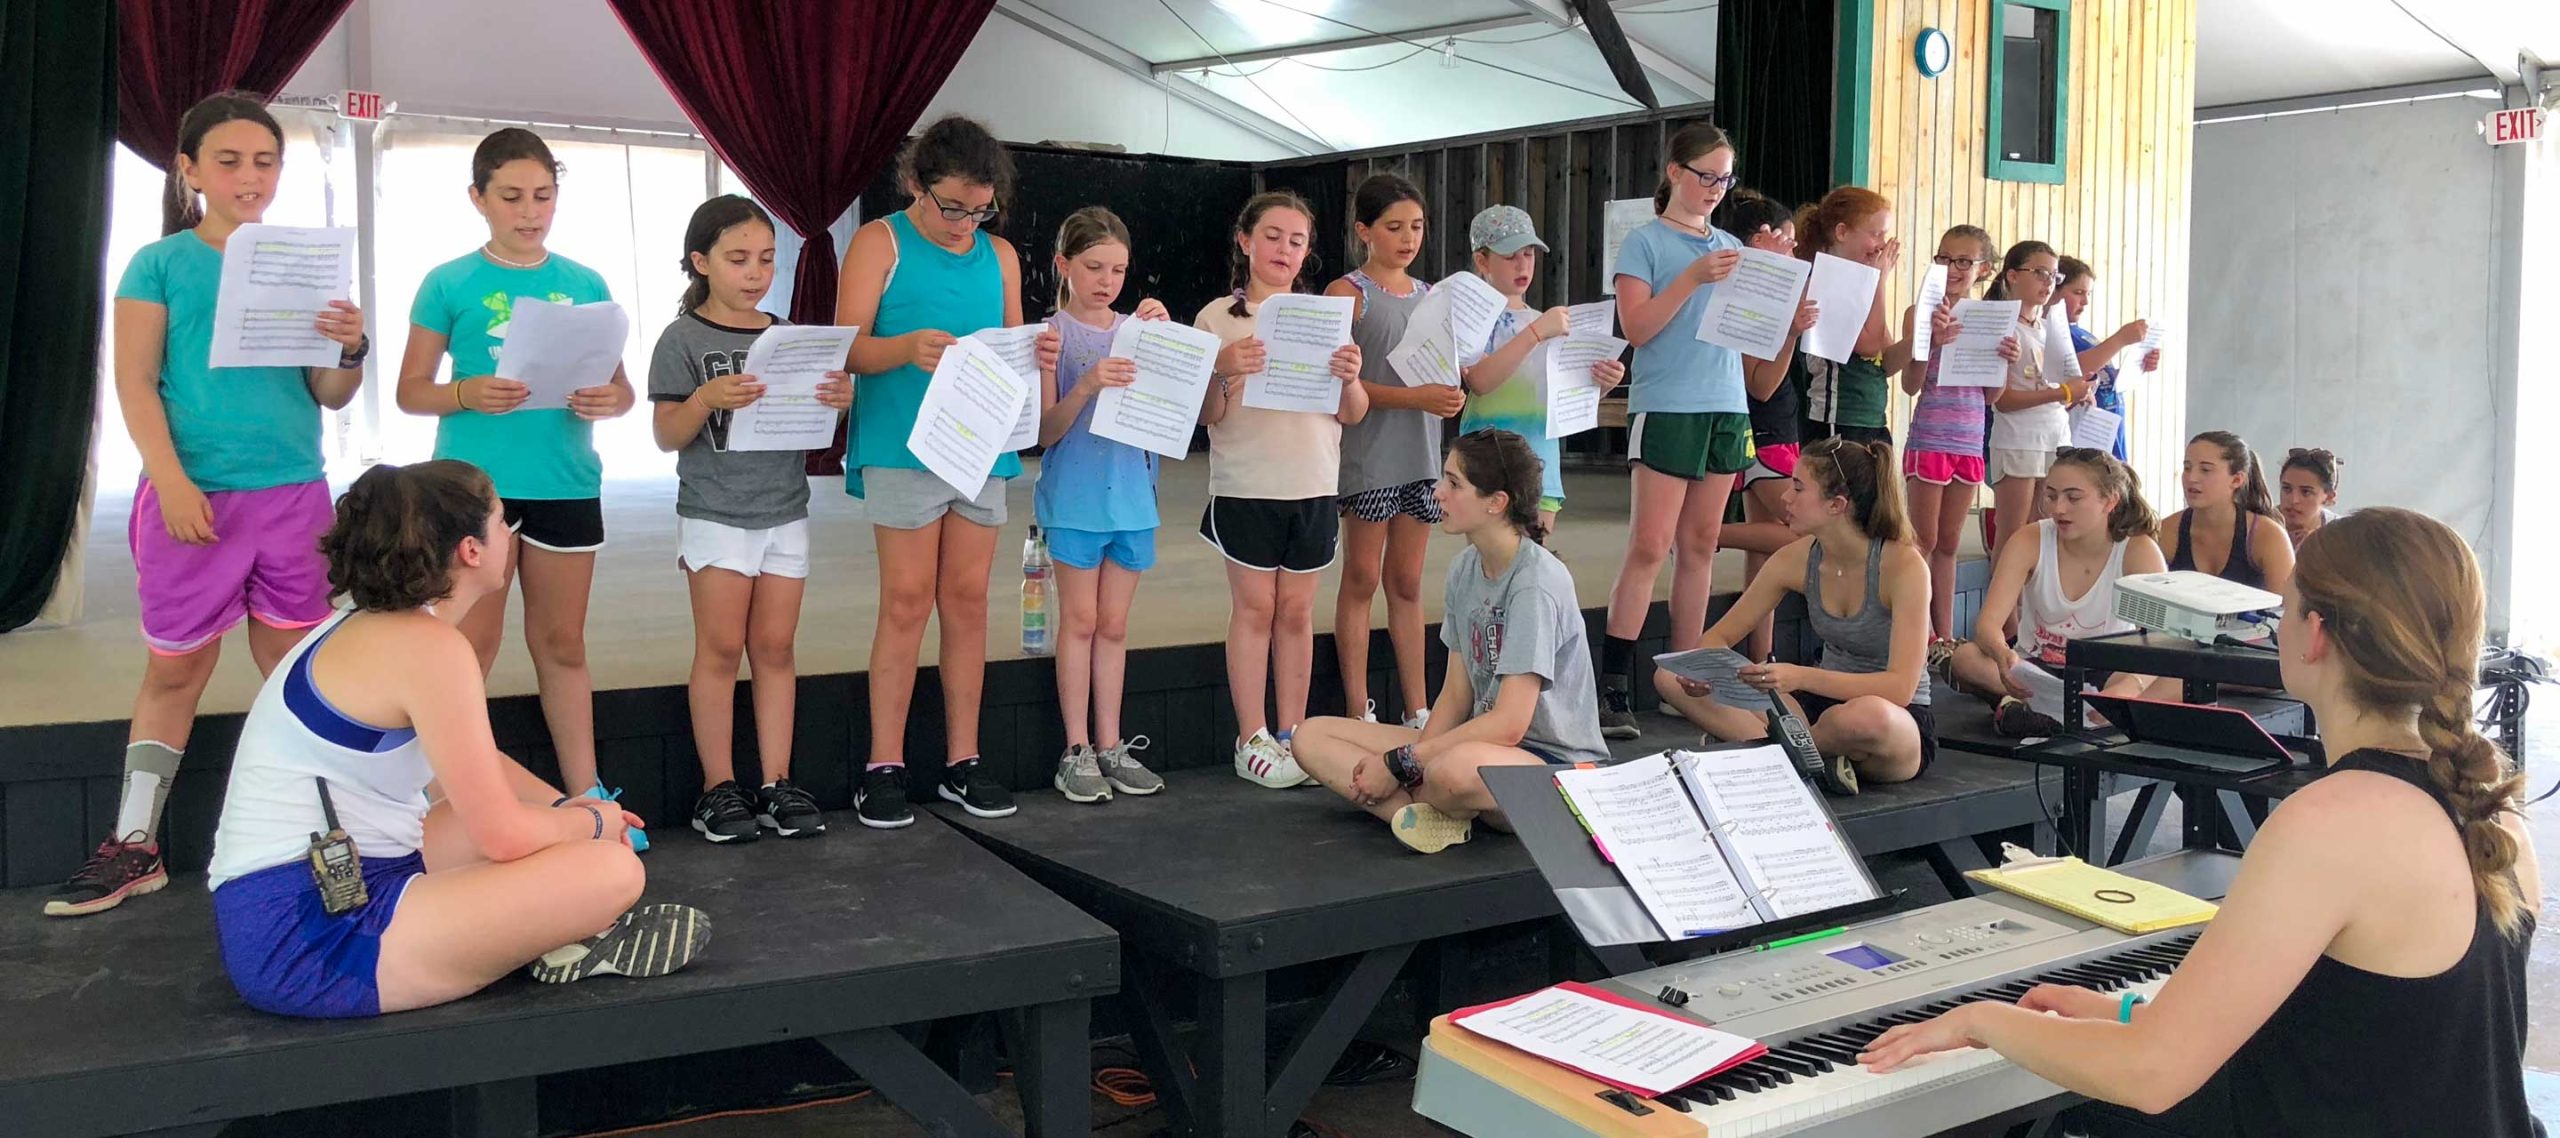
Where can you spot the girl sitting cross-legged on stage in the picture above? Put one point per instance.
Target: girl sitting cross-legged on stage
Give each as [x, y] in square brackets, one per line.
[376, 724]
[1866, 592]
[1519, 690]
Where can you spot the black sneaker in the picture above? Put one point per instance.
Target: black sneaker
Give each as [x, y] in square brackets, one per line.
[1617, 712]
[969, 784]
[788, 811]
[725, 814]
[123, 867]
[648, 942]
[881, 801]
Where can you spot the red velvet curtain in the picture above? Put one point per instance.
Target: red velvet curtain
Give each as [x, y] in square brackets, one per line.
[172, 53]
[805, 100]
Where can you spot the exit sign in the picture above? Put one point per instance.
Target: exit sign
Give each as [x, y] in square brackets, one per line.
[366, 105]
[2523, 124]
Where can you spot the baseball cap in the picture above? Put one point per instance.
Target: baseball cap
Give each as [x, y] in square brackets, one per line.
[1503, 229]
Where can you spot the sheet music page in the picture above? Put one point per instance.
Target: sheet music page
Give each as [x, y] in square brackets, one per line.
[1157, 411]
[1933, 292]
[1972, 359]
[1299, 334]
[1846, 290]
[1660, 845]
[968, 412]
[1573, 396]
[555, 349]
[276, 281]
[1019, 347]
[1783, 843]
[790, 360]
[1753, 308]
[1630, 1047]
[1722, 669]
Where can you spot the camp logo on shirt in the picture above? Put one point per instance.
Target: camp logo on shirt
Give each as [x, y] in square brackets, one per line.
[715, 364]
[503, 307]
[1484, 649]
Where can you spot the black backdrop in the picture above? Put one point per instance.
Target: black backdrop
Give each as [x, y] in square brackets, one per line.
[1781, 56]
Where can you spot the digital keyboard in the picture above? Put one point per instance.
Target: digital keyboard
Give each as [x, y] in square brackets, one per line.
[1815, 1005]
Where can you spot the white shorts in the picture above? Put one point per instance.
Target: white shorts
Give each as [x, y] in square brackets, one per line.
[2007, 463]
[782, 550]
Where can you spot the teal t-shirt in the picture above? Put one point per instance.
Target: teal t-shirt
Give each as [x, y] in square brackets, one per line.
[536, 454]
[235, 428]
[929, 287]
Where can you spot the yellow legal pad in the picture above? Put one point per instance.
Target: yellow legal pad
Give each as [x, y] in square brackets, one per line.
[2125, 904]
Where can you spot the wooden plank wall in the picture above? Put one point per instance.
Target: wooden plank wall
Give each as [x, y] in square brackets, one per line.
[2123, 202]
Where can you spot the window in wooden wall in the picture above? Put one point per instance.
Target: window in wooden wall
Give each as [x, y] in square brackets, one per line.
[2030, 85]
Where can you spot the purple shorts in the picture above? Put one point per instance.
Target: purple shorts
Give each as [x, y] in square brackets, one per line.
[266, 563]
[289, 957]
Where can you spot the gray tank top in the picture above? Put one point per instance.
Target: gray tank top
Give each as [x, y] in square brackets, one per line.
[1386, 448]
[1860, 643]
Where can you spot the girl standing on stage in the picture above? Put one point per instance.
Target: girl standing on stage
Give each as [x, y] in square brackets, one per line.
[1391, 457]
[1096, 502]
[2058, 578]
[915, 282]
[2366, 972]
[1867, 700]
[2307, 487]
[378, 724]
[1272, 476]
[1848, 400]
[742, 522]
[1518, 690]
[1777, 425]
[2229, 528]
[232, 499]
[1943, 469]
[2031, 415]
[2098, 357]
[1506, 376]
[543, 460]
[1689, 430]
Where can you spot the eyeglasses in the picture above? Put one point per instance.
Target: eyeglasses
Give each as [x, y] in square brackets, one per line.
[952, 212]
[1957, 262]
[1710, 180]
[2051, 278]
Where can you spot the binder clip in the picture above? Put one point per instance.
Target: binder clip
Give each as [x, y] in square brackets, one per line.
[1673, 996]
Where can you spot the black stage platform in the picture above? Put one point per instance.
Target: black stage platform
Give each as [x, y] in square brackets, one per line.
[125, 1022]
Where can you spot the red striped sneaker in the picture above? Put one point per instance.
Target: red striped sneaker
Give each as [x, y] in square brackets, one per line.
[1262, 761]
[123, 867]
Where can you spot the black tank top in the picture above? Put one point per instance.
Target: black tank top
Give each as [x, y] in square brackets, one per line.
[2238, 568]
[2352, 1052]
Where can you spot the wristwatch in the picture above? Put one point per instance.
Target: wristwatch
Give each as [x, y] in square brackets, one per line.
[1402, 764]
[363, 348]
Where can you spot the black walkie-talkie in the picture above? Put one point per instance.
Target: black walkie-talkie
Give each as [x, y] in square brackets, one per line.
[336, 870]
[1830, 772]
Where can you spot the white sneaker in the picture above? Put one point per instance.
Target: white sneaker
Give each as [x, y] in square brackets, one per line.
[1261, 760]
[1424, 829]
[1371, 715]
[1419, 720]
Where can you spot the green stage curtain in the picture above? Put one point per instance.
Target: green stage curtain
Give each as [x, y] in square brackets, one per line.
[57, 138]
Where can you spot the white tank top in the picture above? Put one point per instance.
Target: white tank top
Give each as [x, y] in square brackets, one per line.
[2047, 620]
[377, 777]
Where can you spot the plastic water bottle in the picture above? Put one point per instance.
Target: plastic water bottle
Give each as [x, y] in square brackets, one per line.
[1035, 594]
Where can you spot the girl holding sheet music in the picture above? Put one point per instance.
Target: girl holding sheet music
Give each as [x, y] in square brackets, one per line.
[1689, 425]
[227, 518]
[1847, 400]
[1096, 501]
[543, 460]
[2097, 357]
[1505, 377]
[915, 282]
[1866, 592]
[742, 521]
[2030, 416]
[2058, 578]
[2365, 974]
[1943, 470]
[1777, 425]
[1390, 458]
[1518, 690]
[1272, 477]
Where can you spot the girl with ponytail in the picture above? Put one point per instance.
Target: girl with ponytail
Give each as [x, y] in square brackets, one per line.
[2242, 539]
[2096, 528]
[2366, 972]
[1866, 591]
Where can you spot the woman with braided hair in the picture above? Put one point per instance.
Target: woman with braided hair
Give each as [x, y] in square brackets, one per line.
[2366, 972]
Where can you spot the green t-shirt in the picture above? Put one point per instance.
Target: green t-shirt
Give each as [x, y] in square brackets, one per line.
[536, 454]
[234, 428]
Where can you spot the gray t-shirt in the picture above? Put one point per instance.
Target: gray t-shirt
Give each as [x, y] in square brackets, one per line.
[1386, 448]
[1526, 622]
[747, 489]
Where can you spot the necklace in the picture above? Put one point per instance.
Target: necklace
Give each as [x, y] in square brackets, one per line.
[1700, 228]
[490, 251]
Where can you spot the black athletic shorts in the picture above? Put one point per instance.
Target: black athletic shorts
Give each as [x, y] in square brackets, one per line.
[1815, 705]
[1291, 536]
[561, 525]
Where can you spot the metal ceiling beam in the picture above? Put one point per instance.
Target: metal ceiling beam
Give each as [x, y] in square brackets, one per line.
[1126, 62]
[1695, 87]
[1429, 36]
[1615, 51]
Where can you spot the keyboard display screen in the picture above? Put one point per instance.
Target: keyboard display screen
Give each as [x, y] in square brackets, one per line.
[1863, 956]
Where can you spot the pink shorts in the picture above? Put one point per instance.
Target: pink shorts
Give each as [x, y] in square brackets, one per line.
[1777, 460]
[1938, 468]
[265, 563]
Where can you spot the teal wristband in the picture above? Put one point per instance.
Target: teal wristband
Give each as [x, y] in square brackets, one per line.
[2124, 1007]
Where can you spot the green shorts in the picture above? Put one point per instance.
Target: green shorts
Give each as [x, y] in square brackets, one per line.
[1551, 505]
[1691, 444]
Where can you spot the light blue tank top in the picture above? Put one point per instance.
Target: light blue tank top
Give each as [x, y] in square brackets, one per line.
[1088, 482]
[929, 287]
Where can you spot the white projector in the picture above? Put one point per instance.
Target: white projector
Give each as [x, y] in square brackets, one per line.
[2197, 606]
